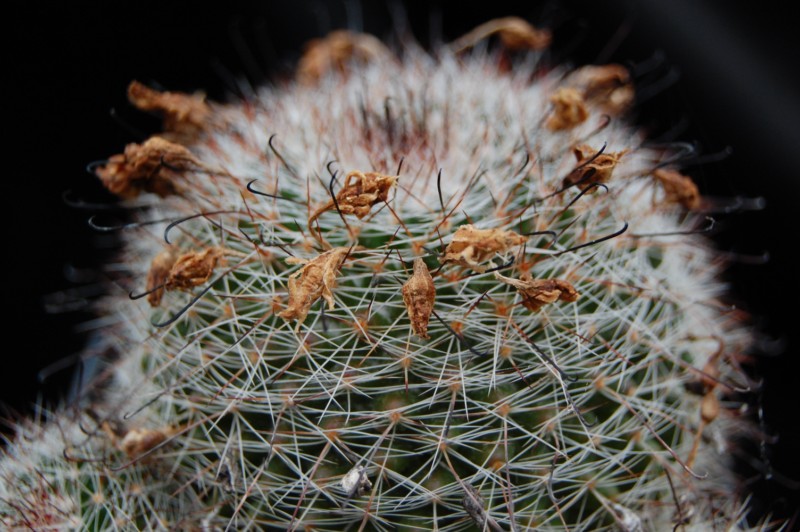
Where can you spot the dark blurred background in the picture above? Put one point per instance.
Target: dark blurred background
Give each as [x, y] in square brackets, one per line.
[723, 76]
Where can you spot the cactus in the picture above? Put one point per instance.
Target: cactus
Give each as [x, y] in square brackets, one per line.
[450, 290]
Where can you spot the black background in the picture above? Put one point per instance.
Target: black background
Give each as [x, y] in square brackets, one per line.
[67, 66]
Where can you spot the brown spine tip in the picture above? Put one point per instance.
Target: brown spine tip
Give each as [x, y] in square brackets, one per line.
[147, 167]
[419, 294]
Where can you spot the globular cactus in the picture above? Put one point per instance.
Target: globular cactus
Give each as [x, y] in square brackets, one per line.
[450, 291]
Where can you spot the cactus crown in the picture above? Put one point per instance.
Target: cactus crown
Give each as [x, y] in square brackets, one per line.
[449, 289]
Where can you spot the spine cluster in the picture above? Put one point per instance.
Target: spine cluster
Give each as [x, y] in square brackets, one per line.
[400, 293]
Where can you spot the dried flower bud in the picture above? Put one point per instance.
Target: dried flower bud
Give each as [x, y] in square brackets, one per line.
[160, 269]
[471, 246]
[148, 167]
[709, 407]
[678, 188]
[515, 34]
[193, 269]
[360, 192]
[184, 114]
[418, 295]
[569, 109]
[316, 279]
[332, 53]
[592, 168]
[539, 292]
[608, 87]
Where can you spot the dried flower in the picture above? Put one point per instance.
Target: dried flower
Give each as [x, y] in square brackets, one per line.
[678, 188]
[608, 87]
[148, 167]
[360, 192]
[514, 32]
[569, 109]
[539, 292]
[593, 166]
[471, 246]
[160, 269]
[317, 278]
[335, 51]
[193, 269]
[184, 114]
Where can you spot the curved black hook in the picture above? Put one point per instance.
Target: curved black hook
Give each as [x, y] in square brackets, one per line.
[273, 196]
[708, 228]
[187, 218]
[596, 241]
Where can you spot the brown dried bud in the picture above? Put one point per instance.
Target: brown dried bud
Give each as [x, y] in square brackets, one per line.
[539, 292]
[709, 407]
[514, 32]
[193, 269]
[569, 109]
[360, 192]
[471, 246]
[333, 52]
[592, 168]
[678, 188]
[419, 295]
[184, 114]
[159, 273]
[149, 167]
[139, 441]
[608, 87]
[316, 279]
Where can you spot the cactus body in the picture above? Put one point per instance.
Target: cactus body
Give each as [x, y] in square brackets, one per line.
[401, 294]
